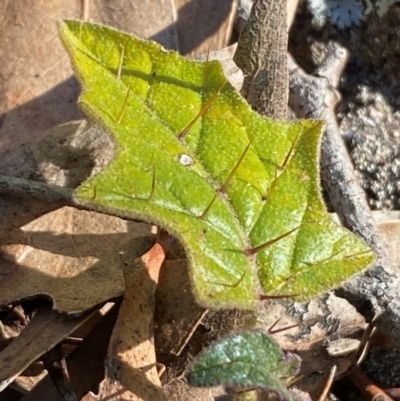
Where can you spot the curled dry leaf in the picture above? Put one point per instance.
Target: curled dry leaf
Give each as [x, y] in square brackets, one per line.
[72, 256]
[91, 352]
[45, 330]
[131, 370]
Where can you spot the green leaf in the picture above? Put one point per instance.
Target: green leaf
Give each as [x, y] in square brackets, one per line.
[251, 360]
[228, 184]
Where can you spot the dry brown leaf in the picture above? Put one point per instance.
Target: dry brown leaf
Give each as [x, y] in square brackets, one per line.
[25, 383]
[45, 330]
[72, 256]
[131, 371]
[17, 319]
[384, 215]
[65, 156]
[8, 333]
[153, 19]
[204, 25]
[38, 88]
[36, 79]
[91, 352]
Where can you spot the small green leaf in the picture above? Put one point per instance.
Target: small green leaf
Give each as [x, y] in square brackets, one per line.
[251, 360]
[241, 192]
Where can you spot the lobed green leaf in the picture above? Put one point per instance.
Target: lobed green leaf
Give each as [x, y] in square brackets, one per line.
[196, 160]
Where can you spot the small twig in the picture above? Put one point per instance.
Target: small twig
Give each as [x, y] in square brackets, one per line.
[190, 333]
[367, 387]
[328, 384]
[21, 187]
[305, 322]
[72, 341]
[56, 366]
[365, 344]
[361, 352]
[161, 369]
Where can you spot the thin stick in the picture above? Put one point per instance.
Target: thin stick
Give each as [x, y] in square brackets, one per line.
[56, 366]
[361, 353]
[368, 387]
[306, 322]
[365, 344]
[190, 334]
[328, 383]
[21, 187]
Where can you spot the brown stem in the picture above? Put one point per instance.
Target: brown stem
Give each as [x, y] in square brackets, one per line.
[367, 387]
[328, 384]
[56, 366]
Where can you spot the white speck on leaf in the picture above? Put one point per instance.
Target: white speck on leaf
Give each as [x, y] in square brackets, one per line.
[185, 160]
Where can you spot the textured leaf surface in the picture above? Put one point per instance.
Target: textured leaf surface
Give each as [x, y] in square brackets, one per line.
[248, 360]
[225, 183]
